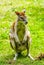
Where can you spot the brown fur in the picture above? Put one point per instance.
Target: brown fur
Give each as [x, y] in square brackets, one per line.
[13, 26]
[26, 40]
[20, 13]
[41, 55]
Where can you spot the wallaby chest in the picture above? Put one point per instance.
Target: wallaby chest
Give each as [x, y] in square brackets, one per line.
[20, 30]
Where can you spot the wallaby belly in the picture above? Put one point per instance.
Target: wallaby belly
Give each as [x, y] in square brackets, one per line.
[21, 33]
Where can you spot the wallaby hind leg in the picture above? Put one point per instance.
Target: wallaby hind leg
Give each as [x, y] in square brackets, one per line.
[28, 52]
[12, 43]
[16, 55]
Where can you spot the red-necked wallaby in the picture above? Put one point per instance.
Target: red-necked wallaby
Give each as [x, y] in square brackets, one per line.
[19, 35]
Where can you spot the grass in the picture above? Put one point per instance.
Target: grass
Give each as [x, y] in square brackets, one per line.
[35, 16]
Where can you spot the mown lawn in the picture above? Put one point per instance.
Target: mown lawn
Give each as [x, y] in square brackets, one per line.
[35, 16]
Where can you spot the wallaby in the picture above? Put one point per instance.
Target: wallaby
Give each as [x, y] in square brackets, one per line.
[20, 38]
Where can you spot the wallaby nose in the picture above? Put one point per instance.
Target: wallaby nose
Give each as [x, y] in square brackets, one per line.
[26, 22]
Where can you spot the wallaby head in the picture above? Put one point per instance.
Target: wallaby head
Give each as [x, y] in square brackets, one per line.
[21, 16]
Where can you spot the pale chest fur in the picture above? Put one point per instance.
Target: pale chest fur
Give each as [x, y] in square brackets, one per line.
[20, 34]
[20, 31]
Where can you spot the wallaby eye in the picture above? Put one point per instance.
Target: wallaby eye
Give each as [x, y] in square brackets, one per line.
[21, 17]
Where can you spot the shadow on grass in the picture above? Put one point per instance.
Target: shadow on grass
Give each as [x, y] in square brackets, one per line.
[21, 60]
[8, 60]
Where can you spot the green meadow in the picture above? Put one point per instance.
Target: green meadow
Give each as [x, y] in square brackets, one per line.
[35, 17]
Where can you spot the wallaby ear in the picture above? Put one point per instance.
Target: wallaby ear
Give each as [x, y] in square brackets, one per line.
[24, 10]
[17, 13]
